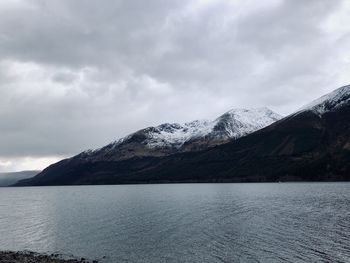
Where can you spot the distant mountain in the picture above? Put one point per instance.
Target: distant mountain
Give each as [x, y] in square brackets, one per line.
[312, 144]
[7, 179]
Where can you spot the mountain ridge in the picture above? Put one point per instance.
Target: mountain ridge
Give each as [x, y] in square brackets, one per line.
[329, 101]
[309, 145]
[171, 138]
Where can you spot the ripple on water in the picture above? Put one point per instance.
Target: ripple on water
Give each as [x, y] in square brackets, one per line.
[301, 222]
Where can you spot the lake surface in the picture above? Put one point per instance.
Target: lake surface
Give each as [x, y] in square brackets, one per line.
[286, 222]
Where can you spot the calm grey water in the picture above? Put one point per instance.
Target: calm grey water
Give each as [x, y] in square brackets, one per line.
[300, 222]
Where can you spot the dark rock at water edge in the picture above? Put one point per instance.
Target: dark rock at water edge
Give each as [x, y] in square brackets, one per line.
[32, 257]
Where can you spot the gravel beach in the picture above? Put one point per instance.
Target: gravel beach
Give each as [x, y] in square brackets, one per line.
[31, 257]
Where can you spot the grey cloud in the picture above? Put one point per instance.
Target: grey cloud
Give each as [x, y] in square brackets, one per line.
[78, 74]
[64, 77]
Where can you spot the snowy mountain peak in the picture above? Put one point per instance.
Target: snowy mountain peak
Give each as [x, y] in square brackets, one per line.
[231, 125]
[330, 101]
[170, 138]
[240, 122]
[251, 115]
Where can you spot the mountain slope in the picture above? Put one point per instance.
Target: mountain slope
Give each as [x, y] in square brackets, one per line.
[170, 138]
[329, 102]
[312, 144]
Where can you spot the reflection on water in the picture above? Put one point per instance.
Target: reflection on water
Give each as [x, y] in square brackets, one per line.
[299, 222]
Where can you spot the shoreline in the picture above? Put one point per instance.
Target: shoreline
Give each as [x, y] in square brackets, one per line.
[33, 257]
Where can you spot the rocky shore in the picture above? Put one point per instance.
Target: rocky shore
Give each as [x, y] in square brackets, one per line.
[31, 257]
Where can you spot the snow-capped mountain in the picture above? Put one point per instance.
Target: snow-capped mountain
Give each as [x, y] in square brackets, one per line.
[329, 102]
[312, 144]
[170, 138]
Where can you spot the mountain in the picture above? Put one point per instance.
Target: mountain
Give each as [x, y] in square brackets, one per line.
[7, 179]
[329, 102]
[171, 138]
[312, 144]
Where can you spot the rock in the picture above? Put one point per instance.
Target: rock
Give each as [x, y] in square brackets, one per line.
[32, 257]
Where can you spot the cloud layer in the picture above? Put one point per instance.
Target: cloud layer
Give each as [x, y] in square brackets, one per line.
[78, 74]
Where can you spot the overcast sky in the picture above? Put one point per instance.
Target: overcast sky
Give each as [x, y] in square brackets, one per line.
[78, 74]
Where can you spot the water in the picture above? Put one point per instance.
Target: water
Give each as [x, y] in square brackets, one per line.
[300, 222]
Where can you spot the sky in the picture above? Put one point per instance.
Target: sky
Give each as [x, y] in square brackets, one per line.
[76, 75]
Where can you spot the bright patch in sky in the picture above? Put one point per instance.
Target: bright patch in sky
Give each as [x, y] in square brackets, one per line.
[27, 163]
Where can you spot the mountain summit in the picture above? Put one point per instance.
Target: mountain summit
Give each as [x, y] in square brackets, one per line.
[329, 102]
[170, 138]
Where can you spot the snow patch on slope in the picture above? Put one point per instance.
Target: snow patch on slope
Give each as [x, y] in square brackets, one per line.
[240, 122]
[176, 134]
[330, 101]
[169, 138]
[233, 124]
